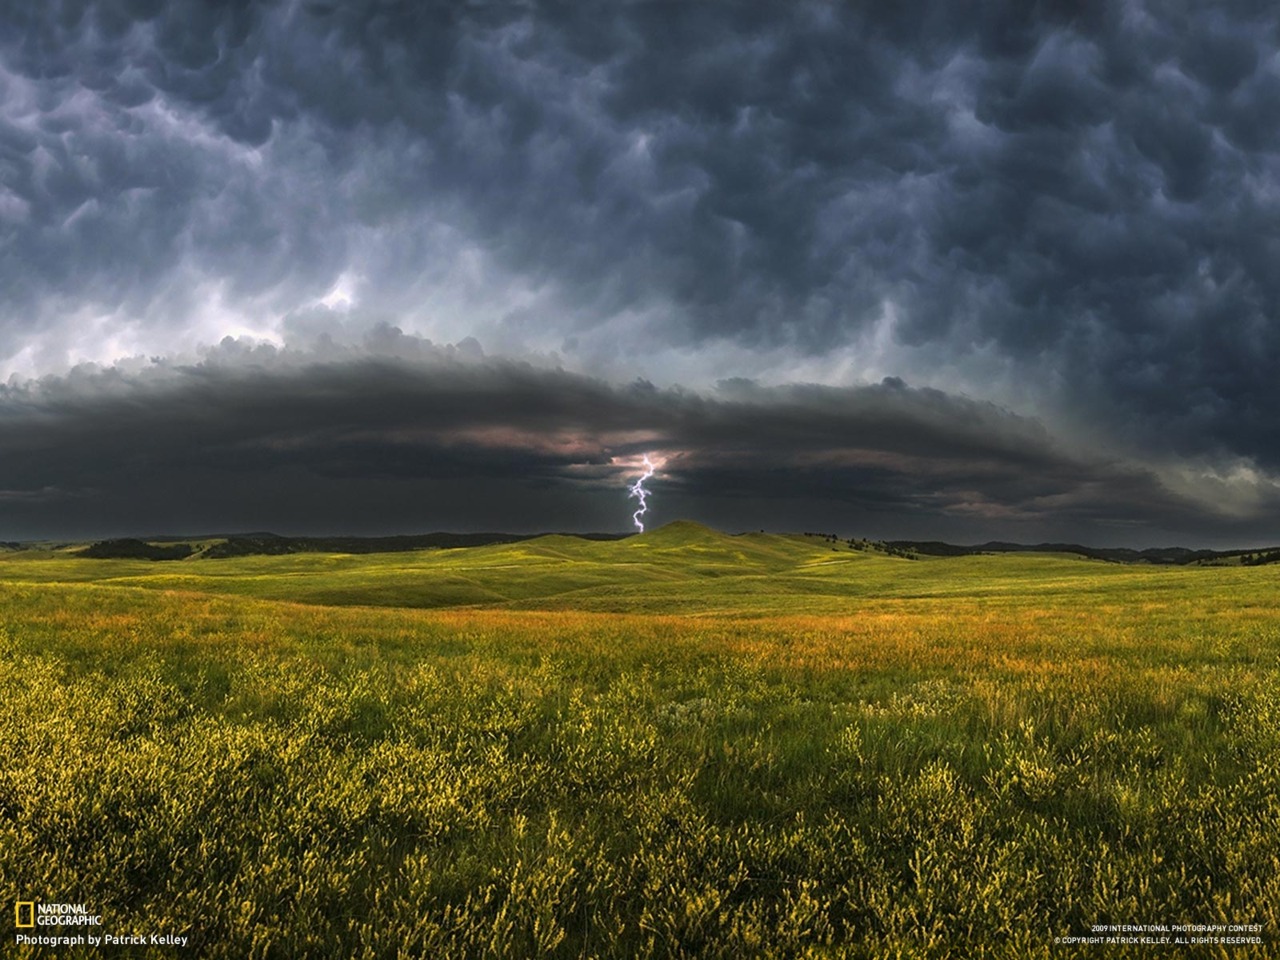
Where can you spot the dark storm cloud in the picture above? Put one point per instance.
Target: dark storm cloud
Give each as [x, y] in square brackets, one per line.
[399, 435]
[1085, 192]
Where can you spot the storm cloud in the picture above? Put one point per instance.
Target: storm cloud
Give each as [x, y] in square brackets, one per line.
[802, 224]
[398, 434]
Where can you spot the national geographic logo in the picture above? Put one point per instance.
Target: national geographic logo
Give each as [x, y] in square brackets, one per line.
[32, 914]
[35, 913]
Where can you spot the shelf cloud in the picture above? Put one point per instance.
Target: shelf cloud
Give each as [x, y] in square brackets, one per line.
[397, 433]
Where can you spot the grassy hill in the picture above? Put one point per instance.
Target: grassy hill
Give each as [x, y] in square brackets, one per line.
[682, 567]
[680, 744]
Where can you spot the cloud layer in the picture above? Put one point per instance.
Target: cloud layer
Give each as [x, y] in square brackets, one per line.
[1064, 209]
[400, 435]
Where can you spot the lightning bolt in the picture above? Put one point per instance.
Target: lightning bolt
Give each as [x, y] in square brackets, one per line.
[638, 491]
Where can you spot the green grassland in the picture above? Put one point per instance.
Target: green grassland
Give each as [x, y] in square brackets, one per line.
[682, 744]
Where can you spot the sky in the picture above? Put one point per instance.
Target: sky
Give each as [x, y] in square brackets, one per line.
[944, 270]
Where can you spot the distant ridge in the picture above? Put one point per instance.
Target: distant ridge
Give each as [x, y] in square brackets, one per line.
[132, 549]
[271, 544]
[1178, 556]
[239, 546]
[671, 535]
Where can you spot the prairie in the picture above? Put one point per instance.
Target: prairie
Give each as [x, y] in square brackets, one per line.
[677, 745]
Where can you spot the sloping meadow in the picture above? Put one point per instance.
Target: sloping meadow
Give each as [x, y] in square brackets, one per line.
[921, 777]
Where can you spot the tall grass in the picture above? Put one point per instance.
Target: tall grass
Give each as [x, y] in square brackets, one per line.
[956, 773]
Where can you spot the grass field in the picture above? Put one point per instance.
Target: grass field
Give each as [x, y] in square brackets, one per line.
[676, 745]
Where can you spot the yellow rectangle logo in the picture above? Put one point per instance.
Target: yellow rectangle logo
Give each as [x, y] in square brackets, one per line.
[24, 908]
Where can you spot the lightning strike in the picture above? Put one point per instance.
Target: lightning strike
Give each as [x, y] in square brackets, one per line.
[638, 491]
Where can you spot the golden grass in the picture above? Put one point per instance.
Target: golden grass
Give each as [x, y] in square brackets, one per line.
[965, 766]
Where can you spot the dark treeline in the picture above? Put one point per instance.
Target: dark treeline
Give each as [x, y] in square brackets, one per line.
[131, 549]
[1166, 555]
[1260, 557]
[914, 549]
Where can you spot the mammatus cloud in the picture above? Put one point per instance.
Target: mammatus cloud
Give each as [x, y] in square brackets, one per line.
[398, 434]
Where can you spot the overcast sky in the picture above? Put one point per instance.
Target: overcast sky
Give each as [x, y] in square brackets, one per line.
[932, 270]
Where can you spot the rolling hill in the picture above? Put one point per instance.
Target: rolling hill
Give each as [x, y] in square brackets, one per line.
[683, 567]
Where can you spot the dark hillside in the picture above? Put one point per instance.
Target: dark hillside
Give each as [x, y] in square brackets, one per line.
[131, 549]
[271, 544]
[1179, 556]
